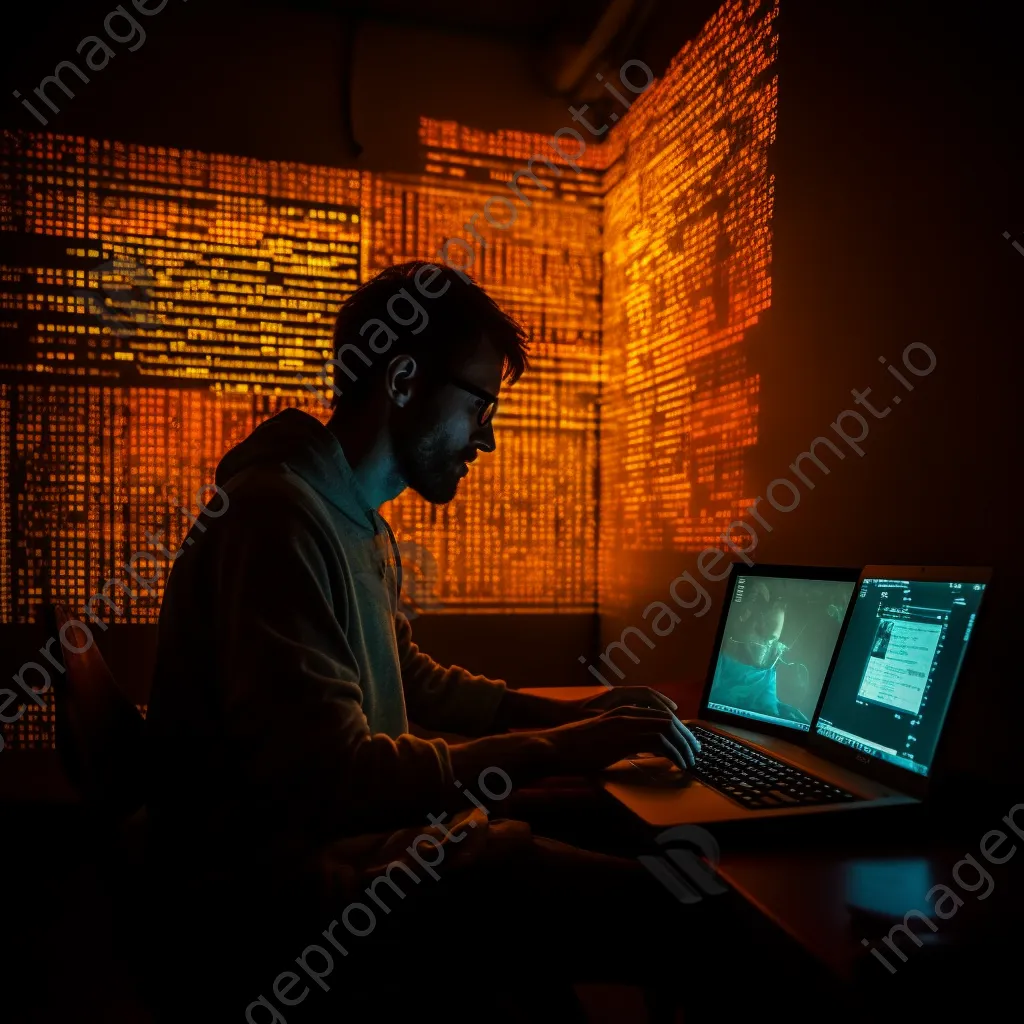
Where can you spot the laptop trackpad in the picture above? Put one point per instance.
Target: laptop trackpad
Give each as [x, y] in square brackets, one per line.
[648, 768]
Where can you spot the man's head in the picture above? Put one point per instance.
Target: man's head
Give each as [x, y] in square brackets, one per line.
[759, 622]
[420, 354]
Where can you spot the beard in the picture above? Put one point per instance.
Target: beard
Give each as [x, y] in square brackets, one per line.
[427, 460]
[759, 653]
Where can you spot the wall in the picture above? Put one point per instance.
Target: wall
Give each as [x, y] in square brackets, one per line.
[687, 257]
[897, 169]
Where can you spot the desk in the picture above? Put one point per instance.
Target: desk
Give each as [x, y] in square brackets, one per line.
[829, 894]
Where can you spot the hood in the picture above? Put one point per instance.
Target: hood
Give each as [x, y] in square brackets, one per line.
[311, 451]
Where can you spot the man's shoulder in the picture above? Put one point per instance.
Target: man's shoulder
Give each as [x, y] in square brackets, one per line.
[269, 480]
[275, 492]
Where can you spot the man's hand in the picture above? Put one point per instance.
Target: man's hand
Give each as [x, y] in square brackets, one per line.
[595, 743]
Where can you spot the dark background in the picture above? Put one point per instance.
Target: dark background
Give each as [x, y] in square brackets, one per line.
[308, 80]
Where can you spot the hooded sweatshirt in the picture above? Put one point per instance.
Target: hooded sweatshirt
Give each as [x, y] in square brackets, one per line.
[286, 675]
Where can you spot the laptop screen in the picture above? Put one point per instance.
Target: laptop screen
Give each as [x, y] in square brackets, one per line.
[894, 675]
[777, 643]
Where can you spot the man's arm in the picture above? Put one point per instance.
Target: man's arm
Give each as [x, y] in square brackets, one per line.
[532, 711]
[577, 747]
[559, 737]
[451, 699]
[445, 698]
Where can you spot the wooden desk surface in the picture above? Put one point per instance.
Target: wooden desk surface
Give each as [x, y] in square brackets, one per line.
[830, 902]
[827, 901]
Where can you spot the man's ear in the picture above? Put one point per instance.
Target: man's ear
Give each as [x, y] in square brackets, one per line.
[401, 379]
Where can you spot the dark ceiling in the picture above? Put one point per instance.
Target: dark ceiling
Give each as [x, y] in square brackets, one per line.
[551, 32]
[521, 18]
[228, 79]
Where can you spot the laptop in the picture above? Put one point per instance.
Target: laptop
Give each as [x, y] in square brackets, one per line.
[824, 694]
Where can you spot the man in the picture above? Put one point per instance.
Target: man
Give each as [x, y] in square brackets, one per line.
[745, 676]
[286, 675]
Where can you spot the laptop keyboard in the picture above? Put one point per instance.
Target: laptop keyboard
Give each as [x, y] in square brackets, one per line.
[757, 780]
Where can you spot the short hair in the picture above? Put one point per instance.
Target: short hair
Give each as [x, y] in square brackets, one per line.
[759, 601]
[427, 310]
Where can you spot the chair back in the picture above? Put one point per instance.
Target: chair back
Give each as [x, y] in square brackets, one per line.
[100, 733]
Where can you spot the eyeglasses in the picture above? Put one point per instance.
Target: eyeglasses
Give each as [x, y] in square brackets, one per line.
[490, 406]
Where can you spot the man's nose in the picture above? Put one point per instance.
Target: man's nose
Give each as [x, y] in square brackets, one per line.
[483, 438]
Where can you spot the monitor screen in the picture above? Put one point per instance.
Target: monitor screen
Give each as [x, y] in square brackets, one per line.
[895, 673]
[777, 644]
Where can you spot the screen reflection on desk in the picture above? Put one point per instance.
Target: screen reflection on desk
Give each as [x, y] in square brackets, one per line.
[889, 888]
[887, 901]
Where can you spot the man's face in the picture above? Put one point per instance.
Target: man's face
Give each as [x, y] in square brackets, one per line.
[439, 433]
[757, 639]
